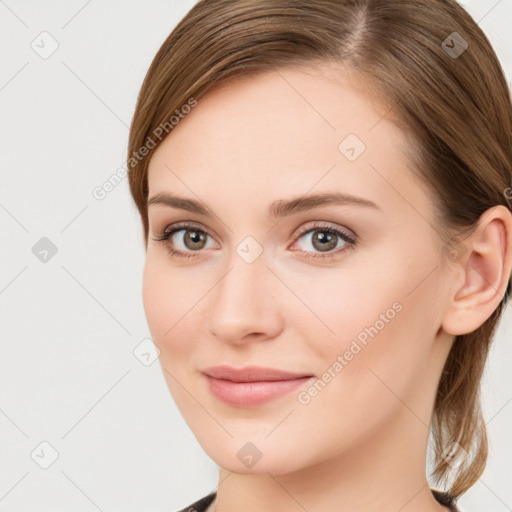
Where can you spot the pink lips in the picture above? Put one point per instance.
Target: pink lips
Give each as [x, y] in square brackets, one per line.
[252, 385]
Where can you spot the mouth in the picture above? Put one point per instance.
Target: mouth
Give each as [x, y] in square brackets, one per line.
[252, 386]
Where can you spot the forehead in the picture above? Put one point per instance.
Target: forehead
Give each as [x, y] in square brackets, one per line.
[285, 132]
[284, 109]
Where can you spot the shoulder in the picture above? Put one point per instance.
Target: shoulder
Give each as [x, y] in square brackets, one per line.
[200, 505]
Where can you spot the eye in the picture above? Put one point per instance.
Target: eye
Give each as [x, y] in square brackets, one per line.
[184, 239]
[326, 239]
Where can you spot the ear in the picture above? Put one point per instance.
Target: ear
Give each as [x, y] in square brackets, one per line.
[484, 268]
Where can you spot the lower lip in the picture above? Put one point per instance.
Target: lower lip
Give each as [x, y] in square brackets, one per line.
[248, 394]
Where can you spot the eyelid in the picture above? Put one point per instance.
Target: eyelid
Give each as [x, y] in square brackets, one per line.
[350, 238]
[317, 225]
[299, 232]
[186, 225]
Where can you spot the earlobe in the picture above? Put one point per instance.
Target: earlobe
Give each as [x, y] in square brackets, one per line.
[486, 266]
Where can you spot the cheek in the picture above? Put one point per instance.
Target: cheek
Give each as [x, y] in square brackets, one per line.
[168, 299]
[166, 307]
[379, 338]
[176, 306]
[343, 304]
[168, 294]
[156, 297]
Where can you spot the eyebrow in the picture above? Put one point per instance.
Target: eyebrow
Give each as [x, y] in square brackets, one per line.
[278, 209]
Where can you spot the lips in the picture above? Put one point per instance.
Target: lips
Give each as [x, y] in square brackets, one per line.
[253, 385]
[252, 374]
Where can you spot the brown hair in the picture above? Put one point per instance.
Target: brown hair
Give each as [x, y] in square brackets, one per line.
[452, 101]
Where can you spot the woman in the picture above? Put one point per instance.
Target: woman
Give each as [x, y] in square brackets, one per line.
[324, 189]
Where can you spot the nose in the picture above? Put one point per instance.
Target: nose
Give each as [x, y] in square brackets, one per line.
[244, 304]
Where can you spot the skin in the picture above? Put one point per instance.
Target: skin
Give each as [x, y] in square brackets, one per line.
[360, 443]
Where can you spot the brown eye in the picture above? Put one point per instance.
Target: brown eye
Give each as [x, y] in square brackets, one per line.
[326, 241]
[184, 240]
[194, 239]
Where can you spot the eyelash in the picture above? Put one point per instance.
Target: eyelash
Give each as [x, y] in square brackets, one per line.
[350, 240]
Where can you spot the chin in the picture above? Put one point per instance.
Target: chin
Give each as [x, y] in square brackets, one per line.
[248, 455]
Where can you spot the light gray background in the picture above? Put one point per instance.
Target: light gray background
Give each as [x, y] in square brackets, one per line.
[70, 325]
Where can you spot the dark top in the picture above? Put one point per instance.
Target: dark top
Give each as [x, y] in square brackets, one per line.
[202, 504]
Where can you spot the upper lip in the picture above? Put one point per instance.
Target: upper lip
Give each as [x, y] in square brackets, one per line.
[251, 374]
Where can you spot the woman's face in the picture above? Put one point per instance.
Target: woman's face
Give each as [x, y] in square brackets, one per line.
[257, 279]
